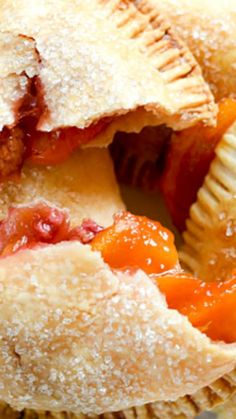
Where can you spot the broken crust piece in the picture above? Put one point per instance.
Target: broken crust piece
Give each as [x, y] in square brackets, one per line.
[90, 70]
[84, 185]
[215, 50]
[81, 338]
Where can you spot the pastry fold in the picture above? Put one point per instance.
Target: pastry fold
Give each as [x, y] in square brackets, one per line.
[99, 59]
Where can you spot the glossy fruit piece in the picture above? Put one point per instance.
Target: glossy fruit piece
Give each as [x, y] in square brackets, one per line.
[210, 306]
[137, 242]
[189, 156]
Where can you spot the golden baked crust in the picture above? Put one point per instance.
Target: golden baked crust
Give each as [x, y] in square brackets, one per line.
[210, 237]
[90, 70]
[78, 337]
[84, 185]
[208, 28]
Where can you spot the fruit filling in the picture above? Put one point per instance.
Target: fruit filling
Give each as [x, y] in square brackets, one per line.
[29, 227]
[26, 142]
[137, 242]
[209, 306]
[131, 243]
[188, 160]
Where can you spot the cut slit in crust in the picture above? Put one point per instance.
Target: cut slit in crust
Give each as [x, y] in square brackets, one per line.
[134, 62]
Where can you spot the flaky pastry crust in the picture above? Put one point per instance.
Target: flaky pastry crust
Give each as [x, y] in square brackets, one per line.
[208, 28]
[98, 59]
[78, 337]
[84, 185]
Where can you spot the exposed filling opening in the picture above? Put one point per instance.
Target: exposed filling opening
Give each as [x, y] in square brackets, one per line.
[130, 243]
[174, 162]
[188, 160]
[25, 142]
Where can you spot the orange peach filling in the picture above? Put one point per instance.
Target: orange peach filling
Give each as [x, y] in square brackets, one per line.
[132, 242]
[137, 242]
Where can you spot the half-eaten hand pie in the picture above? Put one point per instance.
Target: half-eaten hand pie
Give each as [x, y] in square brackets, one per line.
[74, 71]
[85, 331]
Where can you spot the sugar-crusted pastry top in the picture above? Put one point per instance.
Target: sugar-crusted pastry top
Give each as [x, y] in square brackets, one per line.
[78, 337]
[97, 59]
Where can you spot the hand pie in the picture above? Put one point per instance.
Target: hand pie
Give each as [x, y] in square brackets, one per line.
[64, 71]
[88, 318]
